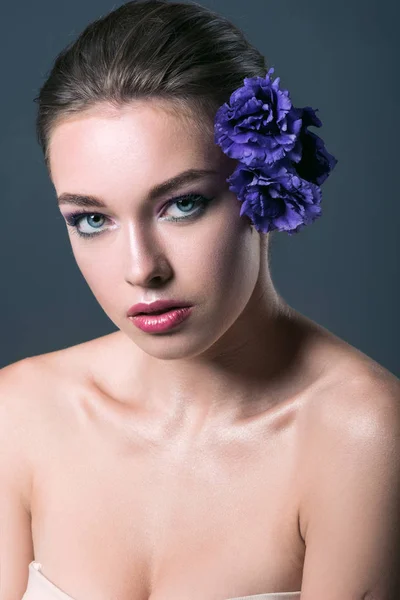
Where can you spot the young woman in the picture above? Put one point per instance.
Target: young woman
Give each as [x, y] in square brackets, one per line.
[231, 447]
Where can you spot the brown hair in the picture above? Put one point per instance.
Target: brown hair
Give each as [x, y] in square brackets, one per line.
[181, 54]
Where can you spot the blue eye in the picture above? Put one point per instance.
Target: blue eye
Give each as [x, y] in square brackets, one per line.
[189, 199]
[74, 219]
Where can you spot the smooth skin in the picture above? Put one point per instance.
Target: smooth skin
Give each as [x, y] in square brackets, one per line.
[248, 451]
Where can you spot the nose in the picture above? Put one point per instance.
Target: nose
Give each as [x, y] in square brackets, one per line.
[145, 259]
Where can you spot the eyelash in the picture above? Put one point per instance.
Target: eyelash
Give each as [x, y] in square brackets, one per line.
[74, 219]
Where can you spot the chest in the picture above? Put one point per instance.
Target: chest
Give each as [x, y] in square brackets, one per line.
[179, 519]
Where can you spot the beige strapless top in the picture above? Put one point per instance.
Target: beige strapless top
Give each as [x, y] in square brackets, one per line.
[41, 588]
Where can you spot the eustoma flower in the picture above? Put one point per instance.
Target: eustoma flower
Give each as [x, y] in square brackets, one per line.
[280, 163]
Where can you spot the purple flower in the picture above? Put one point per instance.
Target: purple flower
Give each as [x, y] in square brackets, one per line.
[281, 164]
[259, 125]
[276, 198]
[316, 163]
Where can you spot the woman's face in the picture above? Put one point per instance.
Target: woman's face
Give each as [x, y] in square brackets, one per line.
[136, 252]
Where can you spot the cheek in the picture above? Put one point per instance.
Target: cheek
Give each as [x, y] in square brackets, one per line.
[97, 267]
[230, 263]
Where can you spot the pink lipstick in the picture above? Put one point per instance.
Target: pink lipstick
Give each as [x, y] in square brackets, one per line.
[160, 315]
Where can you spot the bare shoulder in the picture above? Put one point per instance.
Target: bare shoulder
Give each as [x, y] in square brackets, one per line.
[357, 391]
[21, 388]
[22, 382]
[17, 385]
[28, 388]
[25, 388]
[352, 424]
[32, 408]
[351, 384]
[350, 481]
[13, 374]
[30, 383]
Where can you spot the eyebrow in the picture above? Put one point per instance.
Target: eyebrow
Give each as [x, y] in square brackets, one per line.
[159, 190]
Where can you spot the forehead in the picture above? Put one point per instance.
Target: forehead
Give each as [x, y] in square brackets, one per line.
[137, 141]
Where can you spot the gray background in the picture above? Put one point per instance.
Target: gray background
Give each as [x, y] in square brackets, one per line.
[342, 271]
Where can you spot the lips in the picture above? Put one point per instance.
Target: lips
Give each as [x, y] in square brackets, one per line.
[157, 312]
[150, 323]
[156, 308]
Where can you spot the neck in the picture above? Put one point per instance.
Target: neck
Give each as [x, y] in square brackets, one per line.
[263, 359]
[255, 365]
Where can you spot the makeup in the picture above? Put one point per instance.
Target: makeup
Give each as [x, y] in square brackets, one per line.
[162, 322]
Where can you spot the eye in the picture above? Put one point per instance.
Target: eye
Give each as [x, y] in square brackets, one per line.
[189, 199]
[76, 220]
